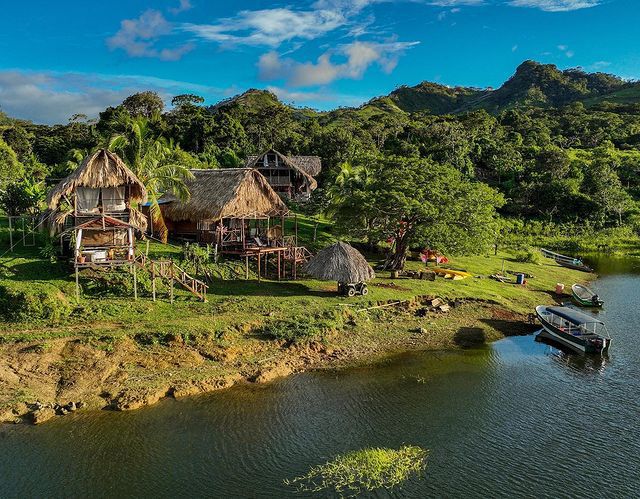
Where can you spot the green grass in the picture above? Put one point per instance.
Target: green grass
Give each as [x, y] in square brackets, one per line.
[364, 470]
[237, 305]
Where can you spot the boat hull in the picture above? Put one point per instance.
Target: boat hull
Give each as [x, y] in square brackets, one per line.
[578, 345]
[587, 303]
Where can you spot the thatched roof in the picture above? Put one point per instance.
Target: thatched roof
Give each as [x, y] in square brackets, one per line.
[225, 193]
[307, 166]
[100, 169]
[340, 262]
[312, 165]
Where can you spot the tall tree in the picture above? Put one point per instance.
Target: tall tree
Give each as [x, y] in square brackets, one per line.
[153, 159]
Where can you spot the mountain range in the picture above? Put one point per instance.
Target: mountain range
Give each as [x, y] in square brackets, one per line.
[533, 85]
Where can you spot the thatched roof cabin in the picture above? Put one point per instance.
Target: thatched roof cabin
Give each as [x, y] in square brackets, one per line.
[340, 262]
[100, 170]
[224, 193]
[311, 165]
[290, 176]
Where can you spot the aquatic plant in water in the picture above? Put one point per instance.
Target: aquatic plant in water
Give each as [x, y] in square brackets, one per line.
[364, 470]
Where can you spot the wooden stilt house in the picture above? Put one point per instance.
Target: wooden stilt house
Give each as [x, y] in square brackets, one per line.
[237, 211]
[95, 210]
[292, 177]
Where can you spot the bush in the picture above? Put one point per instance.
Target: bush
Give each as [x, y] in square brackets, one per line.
[364, 470]
[529, 255]
[33, 301]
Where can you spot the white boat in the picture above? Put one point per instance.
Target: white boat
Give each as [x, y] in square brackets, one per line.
[576, 330]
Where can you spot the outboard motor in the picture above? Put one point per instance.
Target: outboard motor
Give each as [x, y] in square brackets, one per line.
[595, 300]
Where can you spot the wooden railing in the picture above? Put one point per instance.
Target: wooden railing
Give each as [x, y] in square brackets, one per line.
[166, 269]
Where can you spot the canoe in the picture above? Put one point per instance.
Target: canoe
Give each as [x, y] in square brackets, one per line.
[585, 297]
[573, 329]
[456, 275]
[567, 261]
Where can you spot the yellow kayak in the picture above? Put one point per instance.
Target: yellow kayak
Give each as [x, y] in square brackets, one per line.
[456, 275]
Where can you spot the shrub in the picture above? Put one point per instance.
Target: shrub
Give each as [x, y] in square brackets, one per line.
[364, 470]
[529, 255]
[33, 301]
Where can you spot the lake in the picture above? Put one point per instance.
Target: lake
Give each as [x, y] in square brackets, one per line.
[517, 418]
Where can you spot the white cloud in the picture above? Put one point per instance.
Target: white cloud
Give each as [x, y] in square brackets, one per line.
[300, 98]
[566, 51]
[183, 6]
[556, 5]
[52, 97]
[138, 37]
[514, 48]
[269, 27]
[357, 58]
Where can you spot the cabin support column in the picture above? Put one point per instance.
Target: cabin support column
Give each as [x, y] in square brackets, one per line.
[171, 288]
[259, 259]
[279, 260]
[246, 268]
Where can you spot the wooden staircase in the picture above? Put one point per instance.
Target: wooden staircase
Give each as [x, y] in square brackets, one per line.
[166, 269]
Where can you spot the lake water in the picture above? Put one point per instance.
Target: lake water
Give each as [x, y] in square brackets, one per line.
[516, 419]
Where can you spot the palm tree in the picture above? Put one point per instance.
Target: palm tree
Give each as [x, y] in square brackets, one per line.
[153, 159]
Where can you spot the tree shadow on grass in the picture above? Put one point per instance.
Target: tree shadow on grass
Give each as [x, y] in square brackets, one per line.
[221, 287]
[469, 337]
[37, 270]
[512, 328]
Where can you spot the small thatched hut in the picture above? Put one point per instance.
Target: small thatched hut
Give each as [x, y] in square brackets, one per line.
[96, 204]
[340, 262]
[229, 206]
[292, 177]
[102, 184]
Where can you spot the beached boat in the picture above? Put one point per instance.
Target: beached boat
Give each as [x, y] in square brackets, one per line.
[585, 297]
[567, 261]
[573, 329]
[456, 275]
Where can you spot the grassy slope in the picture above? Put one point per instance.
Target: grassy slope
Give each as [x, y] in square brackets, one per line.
[137, 351]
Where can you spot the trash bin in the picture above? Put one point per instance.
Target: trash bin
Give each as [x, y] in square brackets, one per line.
[520, 279]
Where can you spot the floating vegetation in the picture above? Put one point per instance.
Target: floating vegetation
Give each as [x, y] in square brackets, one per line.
[364, 470]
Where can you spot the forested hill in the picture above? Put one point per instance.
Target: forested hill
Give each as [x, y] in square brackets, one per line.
[533, 84]
[558, 146]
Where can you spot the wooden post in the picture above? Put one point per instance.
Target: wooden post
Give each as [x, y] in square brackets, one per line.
[171, 289]
[135, 282]
[246, 267]
[296, 225]
[279, 260]
[153, 281]
[259, 265]
[77, 284]
[146, 253]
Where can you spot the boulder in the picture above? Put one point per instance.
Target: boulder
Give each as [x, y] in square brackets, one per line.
[39, 416]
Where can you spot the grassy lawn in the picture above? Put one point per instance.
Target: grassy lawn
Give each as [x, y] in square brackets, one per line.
[111, 350]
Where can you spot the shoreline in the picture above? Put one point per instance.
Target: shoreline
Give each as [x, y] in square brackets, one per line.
[287, 360]
[190, 348]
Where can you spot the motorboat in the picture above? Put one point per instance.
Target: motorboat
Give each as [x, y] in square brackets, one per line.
[585, 297]
[576, 330]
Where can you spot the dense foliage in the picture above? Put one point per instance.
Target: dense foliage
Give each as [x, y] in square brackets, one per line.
[560, 147]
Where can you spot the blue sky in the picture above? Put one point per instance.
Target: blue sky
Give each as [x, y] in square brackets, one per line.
[72, 56]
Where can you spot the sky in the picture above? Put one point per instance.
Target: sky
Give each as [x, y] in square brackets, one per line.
[80, 56]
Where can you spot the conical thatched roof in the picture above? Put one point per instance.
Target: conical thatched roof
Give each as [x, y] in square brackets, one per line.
[340, 262]
[225, 193]
[100, 169]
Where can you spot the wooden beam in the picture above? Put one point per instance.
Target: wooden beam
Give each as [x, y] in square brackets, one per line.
[77, 284]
